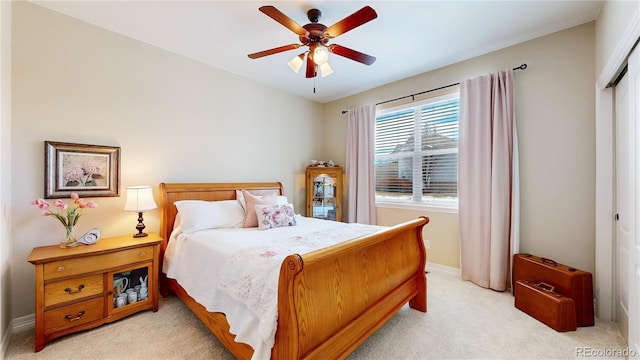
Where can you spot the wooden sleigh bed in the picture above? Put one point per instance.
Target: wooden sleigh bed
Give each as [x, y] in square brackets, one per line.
[329, 300]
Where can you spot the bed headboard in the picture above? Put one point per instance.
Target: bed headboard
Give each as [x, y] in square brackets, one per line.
[170, 193]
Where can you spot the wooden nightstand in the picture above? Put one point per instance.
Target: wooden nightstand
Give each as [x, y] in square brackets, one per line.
[75, 286]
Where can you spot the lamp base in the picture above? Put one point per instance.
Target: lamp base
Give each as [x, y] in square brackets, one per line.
[140, 227]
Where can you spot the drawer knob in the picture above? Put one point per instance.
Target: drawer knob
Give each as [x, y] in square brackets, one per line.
[142, 253]
[74, 318]
[60, 268]
[69, 291]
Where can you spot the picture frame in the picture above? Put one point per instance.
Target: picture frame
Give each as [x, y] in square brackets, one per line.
[88, 170]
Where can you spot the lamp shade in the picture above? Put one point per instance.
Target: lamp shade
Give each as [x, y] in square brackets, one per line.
[325, 69]
[139, 199]
[296, 62]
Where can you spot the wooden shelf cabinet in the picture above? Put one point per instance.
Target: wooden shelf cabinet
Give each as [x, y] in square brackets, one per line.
[77, 288]
[324, 192]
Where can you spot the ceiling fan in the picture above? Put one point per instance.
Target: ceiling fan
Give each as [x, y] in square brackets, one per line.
[316, 36]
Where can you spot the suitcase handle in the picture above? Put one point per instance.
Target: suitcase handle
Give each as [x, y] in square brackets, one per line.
[549, 261]
[546, 287]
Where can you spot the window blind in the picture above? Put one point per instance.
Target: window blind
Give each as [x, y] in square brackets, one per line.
[416, 150]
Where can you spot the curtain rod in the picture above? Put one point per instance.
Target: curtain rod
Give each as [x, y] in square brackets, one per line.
[521, 67]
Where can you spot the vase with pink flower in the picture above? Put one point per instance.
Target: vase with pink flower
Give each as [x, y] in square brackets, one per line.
[67, 215]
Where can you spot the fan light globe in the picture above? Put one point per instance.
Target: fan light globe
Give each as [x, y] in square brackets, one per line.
[320, 55]
[296, 63]
[325, 69]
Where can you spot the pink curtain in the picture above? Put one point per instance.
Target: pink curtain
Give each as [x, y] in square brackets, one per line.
[359, 167]
[487, 180]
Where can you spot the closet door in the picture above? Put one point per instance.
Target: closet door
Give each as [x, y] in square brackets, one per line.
[625, 217]
[634, 250]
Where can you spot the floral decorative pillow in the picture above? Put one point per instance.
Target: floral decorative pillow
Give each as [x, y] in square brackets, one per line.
[273, 216]
[253, 200]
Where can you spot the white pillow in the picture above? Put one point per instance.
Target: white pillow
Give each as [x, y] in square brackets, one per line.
[196, 215]
[273, 216]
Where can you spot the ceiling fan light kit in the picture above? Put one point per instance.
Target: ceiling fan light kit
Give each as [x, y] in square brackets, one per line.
[316, 36]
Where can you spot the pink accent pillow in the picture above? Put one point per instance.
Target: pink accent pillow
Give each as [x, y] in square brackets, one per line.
[251, 220]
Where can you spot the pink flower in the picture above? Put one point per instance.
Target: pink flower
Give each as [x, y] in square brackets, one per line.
[61, 204]
[41, 204]
[73, 174]
[67, 215]
[92, 167]
[268, 254]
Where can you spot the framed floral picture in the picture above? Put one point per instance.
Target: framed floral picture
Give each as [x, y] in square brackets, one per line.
[88, 170]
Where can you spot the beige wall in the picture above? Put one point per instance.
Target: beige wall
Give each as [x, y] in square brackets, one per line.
[555, 122]
[5, 163]
[441, 233]
[614, 19]
[175, 119]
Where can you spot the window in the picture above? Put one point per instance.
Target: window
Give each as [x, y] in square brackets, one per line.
[409, 173]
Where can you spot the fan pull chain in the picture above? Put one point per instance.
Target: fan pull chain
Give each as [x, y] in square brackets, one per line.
[314, 85]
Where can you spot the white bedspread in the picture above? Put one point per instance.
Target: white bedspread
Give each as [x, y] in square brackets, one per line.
[235, 271]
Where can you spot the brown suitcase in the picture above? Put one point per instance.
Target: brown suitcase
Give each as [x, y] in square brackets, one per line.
[540, 301]
[570, 282]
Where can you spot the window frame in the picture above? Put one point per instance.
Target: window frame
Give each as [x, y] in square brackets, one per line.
[445, 205]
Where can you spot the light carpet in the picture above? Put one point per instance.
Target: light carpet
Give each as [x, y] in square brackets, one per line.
[463, 321]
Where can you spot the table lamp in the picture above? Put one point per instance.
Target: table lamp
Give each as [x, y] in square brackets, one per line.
[139, 199]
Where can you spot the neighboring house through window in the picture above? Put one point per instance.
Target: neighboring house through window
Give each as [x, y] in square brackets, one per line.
[427, 174]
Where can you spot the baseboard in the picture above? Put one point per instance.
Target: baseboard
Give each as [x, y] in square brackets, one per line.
[16, 326]
[5, 343]
[443, 269]
[23, 323]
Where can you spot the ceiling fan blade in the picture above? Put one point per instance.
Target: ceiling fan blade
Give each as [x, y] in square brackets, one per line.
[283, 19]
[352, 21]
[352, 54]
[311, 67]
[274, 51]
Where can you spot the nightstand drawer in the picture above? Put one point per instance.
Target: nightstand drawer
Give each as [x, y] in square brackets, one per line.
[73, 289]
[73, 315]
[86, 264]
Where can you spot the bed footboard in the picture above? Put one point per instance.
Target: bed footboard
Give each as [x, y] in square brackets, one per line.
[331, 300]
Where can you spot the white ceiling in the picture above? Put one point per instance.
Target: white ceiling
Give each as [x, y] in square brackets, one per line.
[407, 38]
